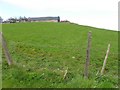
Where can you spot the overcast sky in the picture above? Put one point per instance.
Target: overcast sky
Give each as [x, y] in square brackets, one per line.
[96, 13]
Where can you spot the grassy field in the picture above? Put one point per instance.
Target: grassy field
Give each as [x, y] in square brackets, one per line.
[42, 52]
[0, 60]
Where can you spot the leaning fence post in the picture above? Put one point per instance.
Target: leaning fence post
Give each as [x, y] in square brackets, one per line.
[105, 60]
[87, 56]
[4, 45]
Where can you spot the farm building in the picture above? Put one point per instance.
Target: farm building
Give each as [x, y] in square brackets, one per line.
[1, 20]
[44, 19]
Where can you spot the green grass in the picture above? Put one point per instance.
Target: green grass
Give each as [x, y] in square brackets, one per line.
[41, 53]
[0, 59]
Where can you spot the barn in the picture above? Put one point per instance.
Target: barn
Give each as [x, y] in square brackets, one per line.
[44, 19]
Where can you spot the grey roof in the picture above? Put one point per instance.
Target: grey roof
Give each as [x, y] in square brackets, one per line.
[43, 18]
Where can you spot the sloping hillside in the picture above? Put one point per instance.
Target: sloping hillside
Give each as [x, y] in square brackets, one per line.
[42, 52]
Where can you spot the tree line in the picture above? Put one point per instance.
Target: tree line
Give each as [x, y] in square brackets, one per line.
[14, 19]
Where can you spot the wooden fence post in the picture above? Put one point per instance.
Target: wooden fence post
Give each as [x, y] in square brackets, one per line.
[88, 56]
[105, 60]
[4, 45]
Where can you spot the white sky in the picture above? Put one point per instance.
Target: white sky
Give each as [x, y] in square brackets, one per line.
[97, 13]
